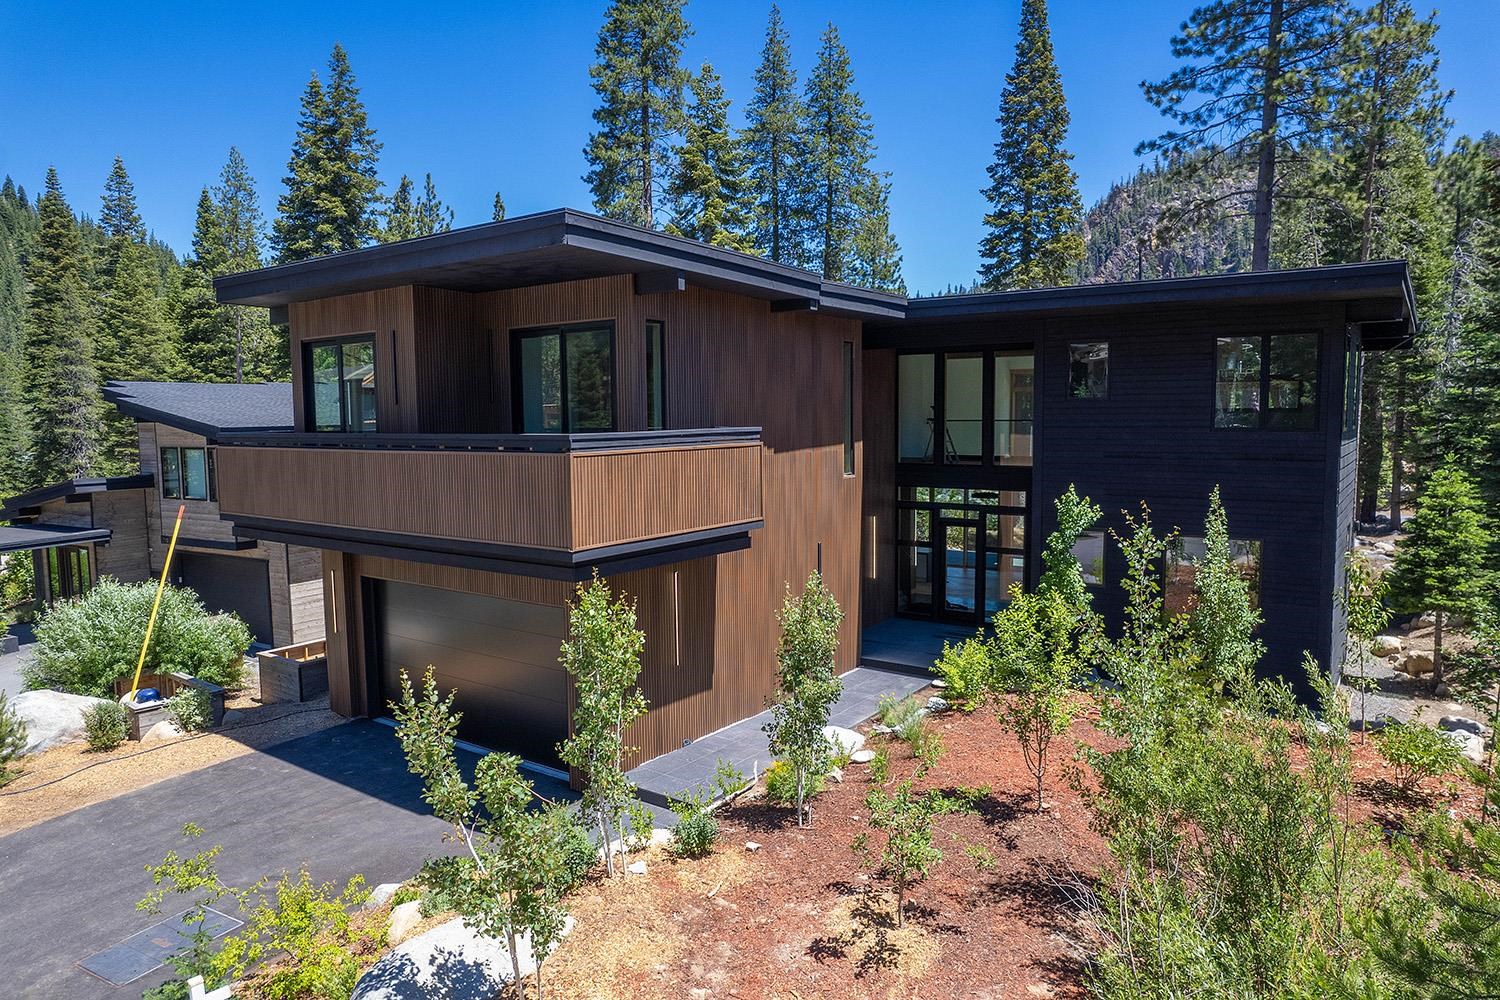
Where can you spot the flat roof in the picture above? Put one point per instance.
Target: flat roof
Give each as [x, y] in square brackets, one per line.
[560, 245]
[21, 504]
[25, 537]
[206, 408]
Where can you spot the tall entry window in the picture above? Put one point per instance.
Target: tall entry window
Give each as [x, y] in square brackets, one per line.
[340, 385]
[564, 380]
[958, 551]
[972, 408]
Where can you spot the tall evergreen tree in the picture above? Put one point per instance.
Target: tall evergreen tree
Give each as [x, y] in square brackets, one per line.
[775, 146]
[876, 254]
[240, 219]
[332, 192]
[18, 226]
[408, 216]
[60, 383]
[1034, 233]
[639, 78]
[709, 191]
[1255, 87]
[840, 146]
[498, 213]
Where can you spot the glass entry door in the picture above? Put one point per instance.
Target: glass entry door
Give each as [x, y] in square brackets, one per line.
[961, 578]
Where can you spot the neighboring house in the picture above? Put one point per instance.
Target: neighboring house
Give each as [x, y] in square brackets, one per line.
[121, 527]
[485, 417]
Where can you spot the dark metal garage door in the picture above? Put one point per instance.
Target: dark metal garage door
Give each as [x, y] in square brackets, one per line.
[500, 656]
[227, 583]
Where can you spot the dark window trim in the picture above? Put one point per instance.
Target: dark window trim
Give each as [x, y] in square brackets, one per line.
[210, 489]
[661, 362]
[848, 357]
[518, 334]
[1263, 414]
[309, 403]
[161, 459]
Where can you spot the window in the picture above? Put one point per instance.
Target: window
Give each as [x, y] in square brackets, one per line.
[959, 551]
[341, 385]
[1267, 380]
[656, 406]
[1014, 399]
[1089, 551]
[68, 572]
[187, 474]
[963, 408]
[1351, 385]
[915, 402]
[848, 408]
[1184, 557]
[564, 380]
[1088, 370]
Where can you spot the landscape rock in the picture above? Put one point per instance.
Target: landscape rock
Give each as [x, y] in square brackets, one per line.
[450, 961]
[862, 756]
[52, 718]
[1416, 663]
[940, 684]
[232, 717]
[636, 868]
[1458, 723]
[1471, 745]
[402, 920]
[937, 704]
[1386, 645]
[1442, 690]
[380, 895]
[751, 846]
[844, 741]
[164, 730]
[837, 774]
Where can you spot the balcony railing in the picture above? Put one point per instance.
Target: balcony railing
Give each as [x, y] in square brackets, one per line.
[557, 493]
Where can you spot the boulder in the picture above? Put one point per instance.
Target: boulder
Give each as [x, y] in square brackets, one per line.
[843, 741]
[166, 730]
[862, 756]
[1386, 645]
[636, 868]
[52, 717]
[937, 703]
[450, 961]
[1416, 663]
[380, 895]
[1471, 745]
[1458, 723]
[403, 918]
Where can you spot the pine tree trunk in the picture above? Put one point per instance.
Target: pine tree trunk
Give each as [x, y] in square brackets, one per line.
[1372, 153]
[1265, 169]
[1437, 649]
[239, 345]
[647, 209]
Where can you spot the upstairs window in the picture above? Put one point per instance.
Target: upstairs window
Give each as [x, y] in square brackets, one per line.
[656, 376]
[969, 407]
[1088, 370]
[564, 380]
[916, 414]
[187, 474]
[848, 408]
[340, 385]
[1267, 381]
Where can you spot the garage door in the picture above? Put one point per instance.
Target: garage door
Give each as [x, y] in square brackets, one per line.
[226, 583]
[499, 656]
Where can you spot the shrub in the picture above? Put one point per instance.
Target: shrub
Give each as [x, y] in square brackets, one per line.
[781, 784]
[104, 725]
[903, 716]
[880, 767]
[192, 709]
[12, 738]
[1416, 751]
[696, 830]
[965, 668]
[82, 646]
[579, 856]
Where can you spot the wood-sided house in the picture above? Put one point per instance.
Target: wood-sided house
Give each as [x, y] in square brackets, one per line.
[83, 529]
[485, 417]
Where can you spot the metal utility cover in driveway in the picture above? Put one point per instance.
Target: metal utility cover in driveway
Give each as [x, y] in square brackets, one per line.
[149, 950]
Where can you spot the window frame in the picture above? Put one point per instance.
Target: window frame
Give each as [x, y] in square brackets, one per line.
[988, 353]
[1105, 343]
[656, 358]
[521, 334]
[848, 356]
[210, 487]
[309, 397]
[1263, 412]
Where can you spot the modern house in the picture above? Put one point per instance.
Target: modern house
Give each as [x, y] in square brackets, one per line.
[485, 417]
[83, 529]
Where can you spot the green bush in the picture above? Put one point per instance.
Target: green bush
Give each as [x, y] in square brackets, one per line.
[192, 709]
[1417, 751]
[965, 668]
[696, 830]
[902, 715]
[781, 784]
[12, 738]
[104, 725]
[580, 856]
[82, 646]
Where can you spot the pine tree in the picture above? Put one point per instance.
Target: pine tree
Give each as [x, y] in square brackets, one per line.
[639, 78]
[498, 214]
[1441, 564]
[840, 146]
[876, 254]
[332, 192]
[60, 384]
[1033, 224]
[407, 216]
[709, 191]
[18, 226]
[119, 217]
[1256, 88]
[776, 147]
[240, 220]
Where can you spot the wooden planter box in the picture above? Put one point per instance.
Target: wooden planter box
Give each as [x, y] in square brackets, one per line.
[294, 673]
[142, 717]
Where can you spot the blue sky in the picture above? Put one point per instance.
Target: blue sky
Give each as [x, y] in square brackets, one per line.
[493, 96]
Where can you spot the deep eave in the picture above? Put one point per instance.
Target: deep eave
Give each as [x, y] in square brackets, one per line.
[560, 245]
[28, 503]
[209, 409]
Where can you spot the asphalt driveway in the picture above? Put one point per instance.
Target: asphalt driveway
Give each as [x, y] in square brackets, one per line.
[339, 801]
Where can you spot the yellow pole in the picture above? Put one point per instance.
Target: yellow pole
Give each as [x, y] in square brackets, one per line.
[156, 604]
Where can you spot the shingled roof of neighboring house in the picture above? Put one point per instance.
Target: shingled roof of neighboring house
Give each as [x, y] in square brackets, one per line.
[207, 408]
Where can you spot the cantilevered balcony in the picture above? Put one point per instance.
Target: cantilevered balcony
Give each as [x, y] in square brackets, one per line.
[553, 505]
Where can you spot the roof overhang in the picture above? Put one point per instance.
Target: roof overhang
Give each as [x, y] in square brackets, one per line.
[27, 504]
[124, 398]
[561, 245]
[26, 537]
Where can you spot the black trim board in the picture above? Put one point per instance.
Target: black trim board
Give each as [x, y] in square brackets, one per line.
[545, 564]
[218, 544]
[31, 537]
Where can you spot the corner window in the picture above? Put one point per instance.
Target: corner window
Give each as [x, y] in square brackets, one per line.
[1088, 370]
[1267, 381]
[1351, 385]
[656, 406]
[848, 408]
[1184, 557]
[340, 385]
[187, 474]
[564, 380]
